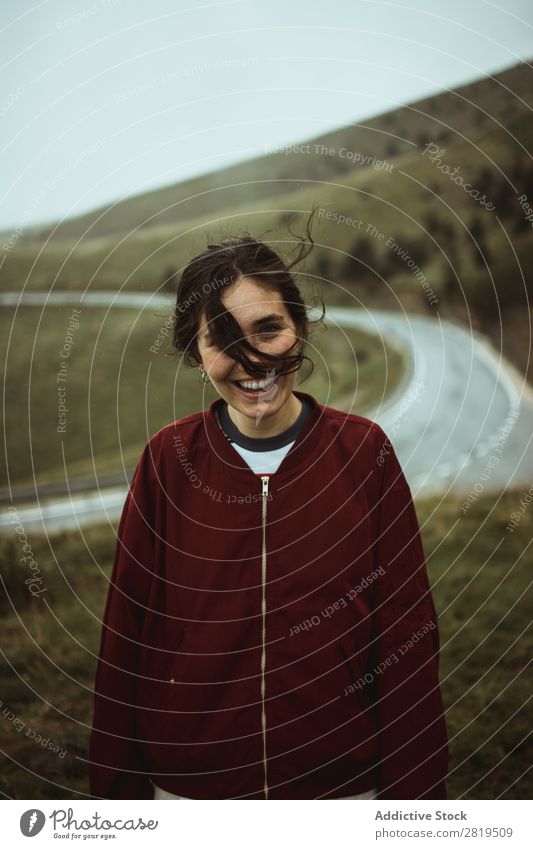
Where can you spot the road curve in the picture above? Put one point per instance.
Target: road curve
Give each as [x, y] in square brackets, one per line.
[461, 421]
[463, 418]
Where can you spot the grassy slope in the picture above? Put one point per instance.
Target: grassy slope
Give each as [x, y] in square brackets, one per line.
[479, 580]
[486, 132]
[398, 203]
[386, 136]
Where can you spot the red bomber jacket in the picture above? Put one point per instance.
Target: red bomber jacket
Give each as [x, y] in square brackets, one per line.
[269, 636]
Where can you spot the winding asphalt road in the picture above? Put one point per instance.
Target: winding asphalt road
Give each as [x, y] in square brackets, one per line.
[461, 421]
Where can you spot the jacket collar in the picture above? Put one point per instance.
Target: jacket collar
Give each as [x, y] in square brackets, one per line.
[303, 452]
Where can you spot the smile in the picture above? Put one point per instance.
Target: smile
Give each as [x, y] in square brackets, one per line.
[255, 387]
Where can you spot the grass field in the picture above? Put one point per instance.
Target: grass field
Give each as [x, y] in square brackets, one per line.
[480, 582]
[119, 393]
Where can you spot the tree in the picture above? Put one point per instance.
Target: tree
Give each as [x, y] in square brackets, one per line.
[432, 223]
[478, 232]
[322, 266]
[360, 264]
[170, 281]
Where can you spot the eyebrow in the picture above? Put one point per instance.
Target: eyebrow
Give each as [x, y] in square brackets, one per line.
[272, 317]
[259, 321]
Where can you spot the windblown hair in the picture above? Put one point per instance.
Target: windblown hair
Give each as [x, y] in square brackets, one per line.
[221, 265]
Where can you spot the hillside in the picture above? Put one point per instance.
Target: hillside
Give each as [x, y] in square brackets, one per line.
[416, 239]
[464, 111]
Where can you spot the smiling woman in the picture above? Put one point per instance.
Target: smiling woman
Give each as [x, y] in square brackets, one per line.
[248, 337]
[211, 683]
[270, 398]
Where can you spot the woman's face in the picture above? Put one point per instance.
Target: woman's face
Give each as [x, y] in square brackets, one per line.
[266, 323]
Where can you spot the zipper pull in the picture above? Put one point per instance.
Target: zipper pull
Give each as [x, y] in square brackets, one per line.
[265, 479]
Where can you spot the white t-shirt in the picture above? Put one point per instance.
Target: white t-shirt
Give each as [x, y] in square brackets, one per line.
[263, 454]
[263, 462]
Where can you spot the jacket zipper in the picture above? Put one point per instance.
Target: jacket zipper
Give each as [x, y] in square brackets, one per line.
[264, 479]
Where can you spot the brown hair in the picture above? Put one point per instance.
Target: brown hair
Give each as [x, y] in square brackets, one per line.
[220, 265]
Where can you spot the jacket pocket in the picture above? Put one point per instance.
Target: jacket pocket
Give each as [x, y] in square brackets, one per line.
[176, 645]
[159, 662]
[353, 667]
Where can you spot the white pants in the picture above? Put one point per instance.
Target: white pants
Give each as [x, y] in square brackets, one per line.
[159, 793]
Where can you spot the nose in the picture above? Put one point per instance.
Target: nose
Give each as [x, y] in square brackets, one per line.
[255, 358]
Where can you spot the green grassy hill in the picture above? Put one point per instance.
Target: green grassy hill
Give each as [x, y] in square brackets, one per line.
[446, 117]
[475, 262]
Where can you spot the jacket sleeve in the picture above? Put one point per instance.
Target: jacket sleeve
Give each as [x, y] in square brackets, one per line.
[115, 761]
[412, 734]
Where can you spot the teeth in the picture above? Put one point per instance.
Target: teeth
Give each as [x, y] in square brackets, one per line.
[256, 384]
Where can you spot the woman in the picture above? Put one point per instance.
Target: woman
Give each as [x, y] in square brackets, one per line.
[269, 631]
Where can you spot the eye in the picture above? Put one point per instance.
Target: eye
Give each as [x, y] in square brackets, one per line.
[269, 327]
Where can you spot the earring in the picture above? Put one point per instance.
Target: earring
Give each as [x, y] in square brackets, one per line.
[204, 374]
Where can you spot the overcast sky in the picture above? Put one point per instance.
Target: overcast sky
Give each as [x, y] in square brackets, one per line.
[105, 99]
